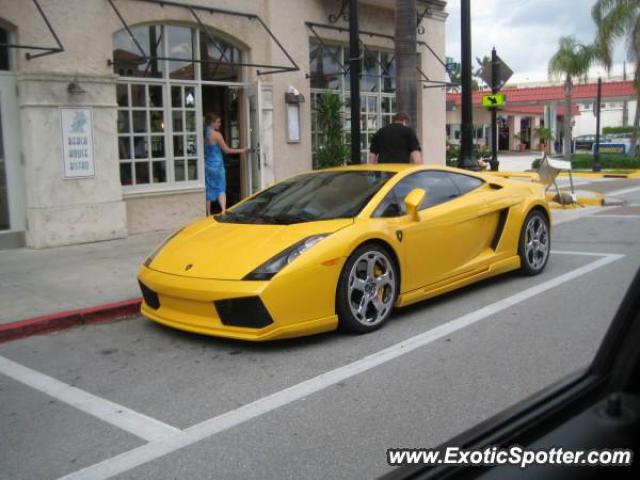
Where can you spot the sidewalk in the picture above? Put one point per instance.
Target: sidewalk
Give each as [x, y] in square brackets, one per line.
[516, 162]
[34, 283]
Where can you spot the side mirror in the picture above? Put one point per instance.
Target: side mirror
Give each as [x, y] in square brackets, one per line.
[413, 201]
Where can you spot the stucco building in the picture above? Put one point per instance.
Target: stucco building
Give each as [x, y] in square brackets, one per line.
[529, 107]
[102, 135]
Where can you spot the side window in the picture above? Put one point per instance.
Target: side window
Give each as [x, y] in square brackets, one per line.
[465, 183]
[438, 186]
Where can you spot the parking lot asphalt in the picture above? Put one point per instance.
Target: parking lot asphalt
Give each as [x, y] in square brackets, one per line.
[134, 400]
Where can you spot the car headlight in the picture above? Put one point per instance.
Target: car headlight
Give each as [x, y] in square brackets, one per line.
[269, 268]
[150, 258]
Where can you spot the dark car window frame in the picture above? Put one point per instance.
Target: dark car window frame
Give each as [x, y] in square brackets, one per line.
[462, 175]
[241, 213]
[392, 197]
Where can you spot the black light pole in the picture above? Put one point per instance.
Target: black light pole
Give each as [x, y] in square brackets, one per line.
[495, 73]
[467, 160]
[354, 78]
[596, 167]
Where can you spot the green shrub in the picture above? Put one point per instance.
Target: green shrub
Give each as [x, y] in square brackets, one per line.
[331, 151]
[584, 161]
[614, 130]
[453, 153]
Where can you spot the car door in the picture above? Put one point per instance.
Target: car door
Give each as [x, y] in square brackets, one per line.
[452, 233]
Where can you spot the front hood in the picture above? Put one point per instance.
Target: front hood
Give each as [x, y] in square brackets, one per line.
[229, 251]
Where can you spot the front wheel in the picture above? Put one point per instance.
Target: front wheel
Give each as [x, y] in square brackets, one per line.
[367, 289]
[535, 243]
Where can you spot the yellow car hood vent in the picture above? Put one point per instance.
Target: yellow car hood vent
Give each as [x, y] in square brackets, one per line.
[229, 251]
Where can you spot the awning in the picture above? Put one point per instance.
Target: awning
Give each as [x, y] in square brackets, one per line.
[312, 26]
[271, 69]
[43, 50]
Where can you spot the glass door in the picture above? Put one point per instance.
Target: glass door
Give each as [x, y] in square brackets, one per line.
[4, 193]
[12, 213]
[255, 155]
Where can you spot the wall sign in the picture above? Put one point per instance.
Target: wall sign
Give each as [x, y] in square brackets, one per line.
[292, 100]
[293, 123]
[77, 142]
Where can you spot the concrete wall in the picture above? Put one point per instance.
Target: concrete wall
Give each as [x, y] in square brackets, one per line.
[165, 211]
[481, 116]
[432, 106]
[68, 211]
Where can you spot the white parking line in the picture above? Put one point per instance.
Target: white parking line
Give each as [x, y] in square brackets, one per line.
[133, 422]
[624, 191]
[584, 254]
[558, 217]
[605, 215]
[151, 451]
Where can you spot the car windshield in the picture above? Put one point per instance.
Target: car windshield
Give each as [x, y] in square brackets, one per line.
[310, 197]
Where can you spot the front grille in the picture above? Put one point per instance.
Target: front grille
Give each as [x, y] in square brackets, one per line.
[150, 297]
[243, 312]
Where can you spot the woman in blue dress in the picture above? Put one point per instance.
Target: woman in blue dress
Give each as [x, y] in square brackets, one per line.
[214, 174]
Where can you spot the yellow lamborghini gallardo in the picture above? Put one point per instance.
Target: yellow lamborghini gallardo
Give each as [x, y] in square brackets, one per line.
[340, 248]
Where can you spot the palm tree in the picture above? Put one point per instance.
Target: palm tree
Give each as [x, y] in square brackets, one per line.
[572, 60]
[620, 20]
[406, 58]
[484, 62]
[454, 70]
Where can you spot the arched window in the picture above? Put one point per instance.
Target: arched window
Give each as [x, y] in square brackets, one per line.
[161, 68]
[170, 51]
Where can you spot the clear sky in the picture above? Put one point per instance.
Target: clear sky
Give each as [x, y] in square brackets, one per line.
[525, 33]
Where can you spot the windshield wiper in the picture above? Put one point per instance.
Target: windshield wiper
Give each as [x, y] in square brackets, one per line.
[231, 217]
[284, 218]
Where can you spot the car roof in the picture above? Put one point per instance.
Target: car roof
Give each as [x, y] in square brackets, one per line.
[385, 167]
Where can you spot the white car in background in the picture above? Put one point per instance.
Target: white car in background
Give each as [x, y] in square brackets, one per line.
[614, 142]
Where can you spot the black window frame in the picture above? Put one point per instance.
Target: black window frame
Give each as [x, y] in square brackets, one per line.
[238, 215]
[380, 210]
[455, 174]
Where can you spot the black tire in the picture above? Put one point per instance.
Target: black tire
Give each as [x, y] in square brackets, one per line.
[534, 252]
[379, 290]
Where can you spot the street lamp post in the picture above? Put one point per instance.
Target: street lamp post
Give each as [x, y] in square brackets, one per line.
[596, 167]
[354, 78]
[495, 73]
[467, 160]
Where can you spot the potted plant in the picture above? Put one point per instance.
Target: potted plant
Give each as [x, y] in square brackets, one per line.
[332, 151]
[521, 139]
[545, 135]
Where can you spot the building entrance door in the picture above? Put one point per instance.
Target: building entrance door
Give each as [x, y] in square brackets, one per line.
[12, 215]
[227, 101]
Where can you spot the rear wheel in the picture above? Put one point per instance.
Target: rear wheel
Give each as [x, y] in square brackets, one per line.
[535, 243]
[367, 289]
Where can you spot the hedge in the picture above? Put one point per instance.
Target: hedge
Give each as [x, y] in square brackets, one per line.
[614, 130]
[584, 161]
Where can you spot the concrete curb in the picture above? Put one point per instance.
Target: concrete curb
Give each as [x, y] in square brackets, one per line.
[71, 318]
[601, 174]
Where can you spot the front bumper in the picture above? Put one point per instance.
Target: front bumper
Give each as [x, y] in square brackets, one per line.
[294, 306]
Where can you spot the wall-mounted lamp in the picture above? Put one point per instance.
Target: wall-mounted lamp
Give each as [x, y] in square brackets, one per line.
[292, 100]
[74, 88]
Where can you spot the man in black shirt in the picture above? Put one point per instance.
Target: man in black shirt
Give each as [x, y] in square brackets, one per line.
[395, 143]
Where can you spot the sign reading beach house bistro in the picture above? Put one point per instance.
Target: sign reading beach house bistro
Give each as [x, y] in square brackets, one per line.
[77, 142]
